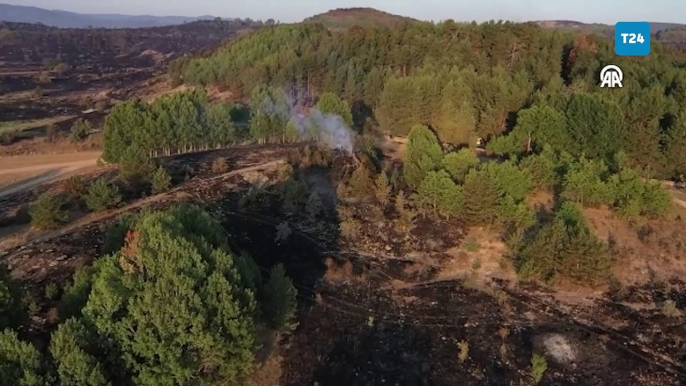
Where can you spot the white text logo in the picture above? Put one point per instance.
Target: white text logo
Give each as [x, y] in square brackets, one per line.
[611, 76]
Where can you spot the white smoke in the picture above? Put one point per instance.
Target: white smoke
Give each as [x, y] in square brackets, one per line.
[332, 129]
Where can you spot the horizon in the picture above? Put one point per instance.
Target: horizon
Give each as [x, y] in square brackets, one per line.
[497, 10]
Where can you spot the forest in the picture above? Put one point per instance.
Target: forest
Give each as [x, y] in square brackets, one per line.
[472, 80]
[170, 302]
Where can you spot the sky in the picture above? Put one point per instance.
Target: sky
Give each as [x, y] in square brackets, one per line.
[600, 11]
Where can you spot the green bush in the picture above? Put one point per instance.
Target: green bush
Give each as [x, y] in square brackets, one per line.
[51, 291]
[538, 367]
[80, 131]
[75, 187]
[102, 195]
[280, 300]
[47, 212]
[161, 181]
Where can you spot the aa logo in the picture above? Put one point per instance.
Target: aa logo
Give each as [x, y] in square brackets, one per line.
[611, 76]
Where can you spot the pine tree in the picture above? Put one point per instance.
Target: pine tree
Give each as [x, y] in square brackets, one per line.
[102, 195]
[280, 300]
[422, 155]
[481, 197]
[173, 291]
[161, 181]
[73, 348]
[330, 103]
[459, 163]
[20, 362]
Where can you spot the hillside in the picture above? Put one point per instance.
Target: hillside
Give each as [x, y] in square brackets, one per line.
[56, 18]
[655, 28]
[365, 17]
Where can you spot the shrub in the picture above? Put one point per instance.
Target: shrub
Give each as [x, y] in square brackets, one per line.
[220, 166]
[280, 300]
[361, 182]
[407, 215]
[538, 367]
[75, 187]
[47, 212]
[283, 232]
[382, 188]
[8, 136]
[670, 310]
[80, 131]
[464, 350]
[52, 133]
[51, 291]
[161, 181]
[102, 195]
[314, 206]
[61, 68]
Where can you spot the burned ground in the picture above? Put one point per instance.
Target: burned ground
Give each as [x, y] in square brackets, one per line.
[368, 315]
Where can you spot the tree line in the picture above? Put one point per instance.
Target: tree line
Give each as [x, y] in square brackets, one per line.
[472, 80]
[171, 124]
[170, 304]
[188, 121]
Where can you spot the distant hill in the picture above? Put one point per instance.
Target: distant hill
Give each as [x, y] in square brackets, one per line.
[600, 28]
[345, 18]
[667, 33]
[54, 18]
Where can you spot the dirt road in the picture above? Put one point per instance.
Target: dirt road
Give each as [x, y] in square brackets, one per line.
[20, 173]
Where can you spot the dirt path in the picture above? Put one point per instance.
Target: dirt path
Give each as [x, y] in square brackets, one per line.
[21, 173]
[175, 194]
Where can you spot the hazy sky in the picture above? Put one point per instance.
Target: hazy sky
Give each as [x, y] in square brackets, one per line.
[605, 11]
